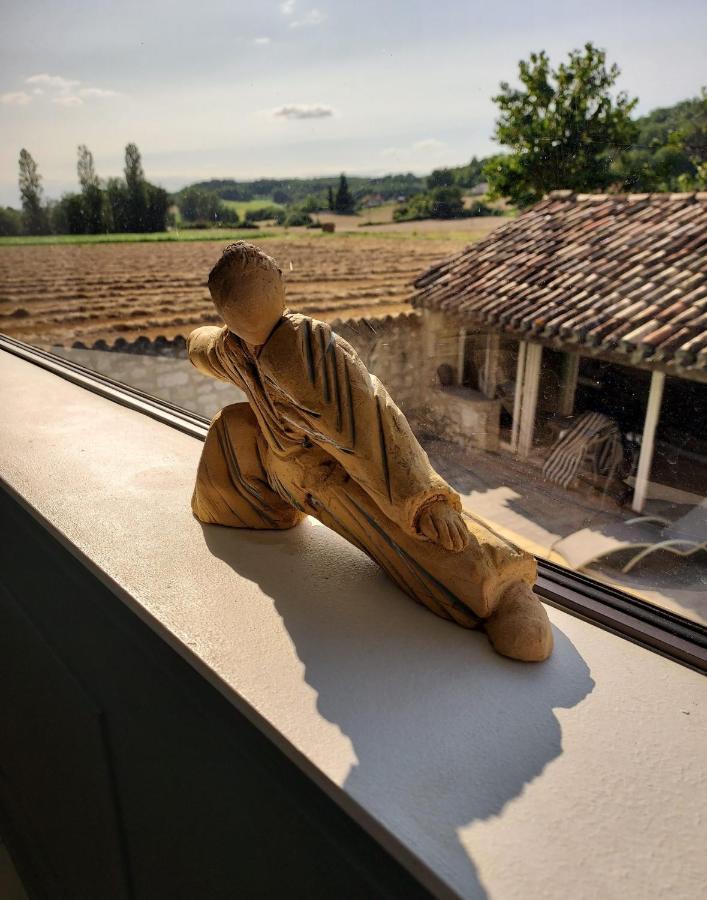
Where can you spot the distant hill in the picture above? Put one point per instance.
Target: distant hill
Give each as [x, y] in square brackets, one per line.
[295, 190]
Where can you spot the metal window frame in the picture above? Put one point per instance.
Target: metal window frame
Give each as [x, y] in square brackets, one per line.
[607, 607]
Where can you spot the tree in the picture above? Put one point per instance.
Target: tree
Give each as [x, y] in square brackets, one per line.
[440, 178]
[136, 190]
[199, 205]
[67, 216]
[92, 197]
[10, 222]
[117, 201]
[671, 149]
[330, 198]
[343, 202]
[446, 203]
[471, 174]
[281, 196]
[157, 207]
[562, 126]
[34, 218]
[312, 203]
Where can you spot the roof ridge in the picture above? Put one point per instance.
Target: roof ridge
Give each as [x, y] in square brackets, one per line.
[579, 196]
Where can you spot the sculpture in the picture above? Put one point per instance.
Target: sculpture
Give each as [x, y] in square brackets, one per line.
[321, 436]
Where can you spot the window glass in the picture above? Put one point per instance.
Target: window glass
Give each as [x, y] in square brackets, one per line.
[503, 211]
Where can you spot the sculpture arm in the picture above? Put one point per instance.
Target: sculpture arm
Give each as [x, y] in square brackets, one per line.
[328, 393]
[203, 345]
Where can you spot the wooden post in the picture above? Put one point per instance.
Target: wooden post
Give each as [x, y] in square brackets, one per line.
[531, 383]
[568, 388]
[461, 355]
[645, 460]
[489, 375]
[517, 395]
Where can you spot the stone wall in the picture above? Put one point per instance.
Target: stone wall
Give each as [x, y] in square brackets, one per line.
[403, 351]
[392, 349]
[169, 377]
[390, 346]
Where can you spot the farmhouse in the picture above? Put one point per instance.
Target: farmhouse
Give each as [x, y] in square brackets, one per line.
[585, 304]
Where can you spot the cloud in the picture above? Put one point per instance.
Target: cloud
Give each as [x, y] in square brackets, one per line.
[15, 98]
[303, 111]
[429, 144]
[61, 91]
[287, 7]
[417, 150]
[69, 100]
[96, 92]
[261, 41]
[313, 17]
[53, 81]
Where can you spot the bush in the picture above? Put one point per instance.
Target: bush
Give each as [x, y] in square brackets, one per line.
[262, 213]
[199, 205]
[440, 203]
[297, 218]
[478, 208]
[10, 221]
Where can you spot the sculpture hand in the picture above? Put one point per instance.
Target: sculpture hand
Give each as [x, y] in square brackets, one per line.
[440, 523]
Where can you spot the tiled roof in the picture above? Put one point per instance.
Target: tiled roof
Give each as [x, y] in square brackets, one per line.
[622, 274]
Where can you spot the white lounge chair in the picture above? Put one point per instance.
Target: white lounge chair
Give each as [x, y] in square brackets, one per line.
[644, 534]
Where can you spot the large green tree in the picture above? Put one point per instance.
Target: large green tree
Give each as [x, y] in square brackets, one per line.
[34, 216]
[343, 201]
[93, 202]
[136, 185]
[563, 127]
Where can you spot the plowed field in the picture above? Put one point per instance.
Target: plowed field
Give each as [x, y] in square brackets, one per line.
[56, 294]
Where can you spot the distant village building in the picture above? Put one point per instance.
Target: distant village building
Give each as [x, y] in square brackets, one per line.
[583, 304]
[480, 189]
[372, 200]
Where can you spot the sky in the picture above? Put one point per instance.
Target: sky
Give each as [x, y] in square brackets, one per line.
[284, 88]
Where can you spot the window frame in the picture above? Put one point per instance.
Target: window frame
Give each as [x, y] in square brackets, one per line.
[605, 606]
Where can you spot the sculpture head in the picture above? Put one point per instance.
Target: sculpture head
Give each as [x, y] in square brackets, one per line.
[248, 291]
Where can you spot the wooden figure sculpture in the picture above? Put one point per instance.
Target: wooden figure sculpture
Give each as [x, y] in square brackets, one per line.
[320, 436]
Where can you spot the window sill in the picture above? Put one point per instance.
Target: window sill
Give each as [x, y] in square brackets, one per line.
[481, 775]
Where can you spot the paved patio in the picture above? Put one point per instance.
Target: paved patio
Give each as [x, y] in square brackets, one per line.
[535, 514]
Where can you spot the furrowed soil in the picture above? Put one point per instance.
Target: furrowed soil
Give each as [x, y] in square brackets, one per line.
[57, 294]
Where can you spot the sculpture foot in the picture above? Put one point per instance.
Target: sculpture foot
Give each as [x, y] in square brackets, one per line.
[520, 628]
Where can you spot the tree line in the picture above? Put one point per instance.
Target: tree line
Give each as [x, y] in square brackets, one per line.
[118, 205]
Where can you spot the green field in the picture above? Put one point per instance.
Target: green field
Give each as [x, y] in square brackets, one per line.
[195, 234]
[242, 206]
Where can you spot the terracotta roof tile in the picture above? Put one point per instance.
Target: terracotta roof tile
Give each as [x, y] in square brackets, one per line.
[623, 272]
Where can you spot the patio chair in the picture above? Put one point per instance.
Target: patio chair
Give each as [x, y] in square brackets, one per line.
[592, 441]
[644, 534]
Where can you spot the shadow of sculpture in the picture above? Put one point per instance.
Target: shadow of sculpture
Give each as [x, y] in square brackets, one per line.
[445, 732]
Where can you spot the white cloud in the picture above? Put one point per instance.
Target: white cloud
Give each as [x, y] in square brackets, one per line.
[69, 100]
[429, 144]
[55, 82]
[287, 7]
[99, 93]
[261, 41]
[429, 147]
[15, 98]
[313, 17]
[61, 91]
[303, 111]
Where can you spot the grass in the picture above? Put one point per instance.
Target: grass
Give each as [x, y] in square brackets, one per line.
[243, 206]
[206, 234]
[224, 234]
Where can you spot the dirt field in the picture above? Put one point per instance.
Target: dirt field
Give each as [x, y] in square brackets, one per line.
[53, 294]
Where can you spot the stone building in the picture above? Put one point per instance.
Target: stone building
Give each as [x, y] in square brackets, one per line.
[583, 303]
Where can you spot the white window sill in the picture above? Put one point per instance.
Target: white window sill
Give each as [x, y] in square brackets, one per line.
[582, 777]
